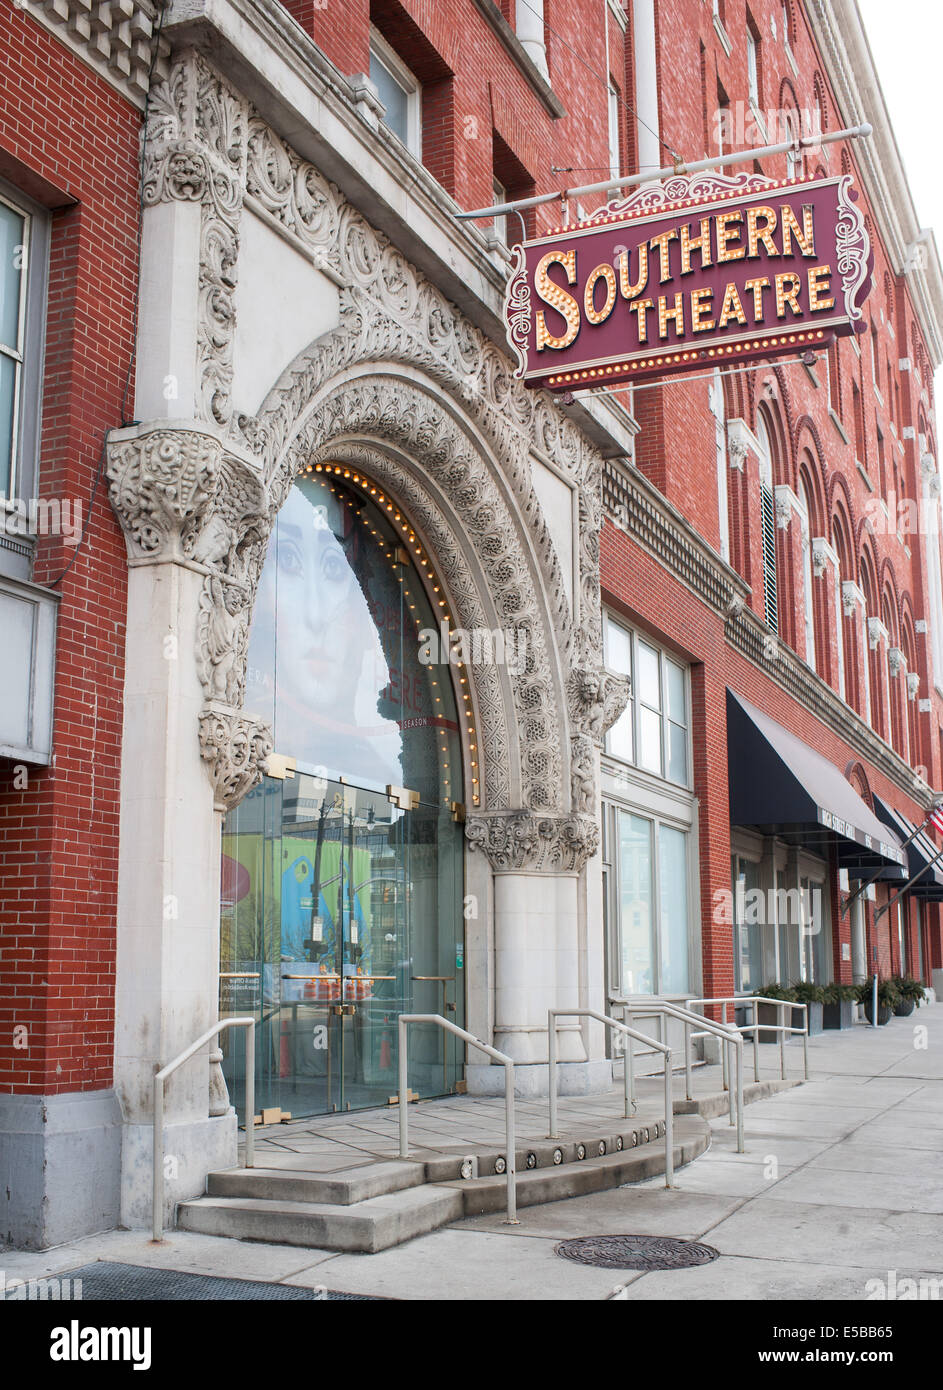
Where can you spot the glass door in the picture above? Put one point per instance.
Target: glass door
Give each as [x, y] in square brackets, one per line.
[342, 910]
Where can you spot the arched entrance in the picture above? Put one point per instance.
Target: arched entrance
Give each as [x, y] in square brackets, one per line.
[342, 879]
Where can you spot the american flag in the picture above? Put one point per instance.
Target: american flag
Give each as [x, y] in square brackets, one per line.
[936, 819]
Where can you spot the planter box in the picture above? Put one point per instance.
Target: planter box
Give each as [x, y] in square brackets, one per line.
[841, 1015]
[884, 1012]
[816, 1018]
[904, 1008]
[792, 1018]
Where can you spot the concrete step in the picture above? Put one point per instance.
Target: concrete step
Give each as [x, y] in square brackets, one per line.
[594, 1142]
[345, 1188]
[719, 1104]
[367, 1227]
[577, 1178]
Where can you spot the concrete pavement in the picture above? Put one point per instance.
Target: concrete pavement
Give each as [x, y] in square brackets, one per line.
[841, 1184]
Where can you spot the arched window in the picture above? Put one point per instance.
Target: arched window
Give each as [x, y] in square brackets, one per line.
[768, 522]
[808, 602]
[872, 683]
[847, 646]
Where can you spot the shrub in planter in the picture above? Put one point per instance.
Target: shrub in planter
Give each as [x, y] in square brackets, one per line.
[768, 1013]
[888, 999]
[839, 1006]
[814, 997]
[911, 992]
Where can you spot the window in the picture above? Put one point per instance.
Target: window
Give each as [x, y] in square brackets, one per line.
[501, 220]
[720, 453]
[14, 253]
[24, 241]
[399, 91]
[768, 523]
[650, 949]
[807, 591]
[652, 733]
[615, 161]
[753, 65]
[529, 16]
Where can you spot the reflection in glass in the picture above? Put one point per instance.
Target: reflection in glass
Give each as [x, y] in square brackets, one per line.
[636, 921]
[341, 903]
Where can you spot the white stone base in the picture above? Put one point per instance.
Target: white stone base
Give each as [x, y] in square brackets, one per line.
[191, 1150]
[59, 1167]
[573, 1079]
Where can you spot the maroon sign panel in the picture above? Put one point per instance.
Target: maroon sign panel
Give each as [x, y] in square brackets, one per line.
[690, 273]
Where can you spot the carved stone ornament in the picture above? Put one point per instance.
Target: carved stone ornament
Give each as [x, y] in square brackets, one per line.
[913, 684]
[162, 486]
[737, 452]
[518, 840]
[422, 401]
[895, 660]
[596, 697]
[235, 748]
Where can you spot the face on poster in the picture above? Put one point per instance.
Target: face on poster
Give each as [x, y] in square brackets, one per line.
[316, 667]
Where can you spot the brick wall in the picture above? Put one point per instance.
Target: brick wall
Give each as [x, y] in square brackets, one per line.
[70, 142]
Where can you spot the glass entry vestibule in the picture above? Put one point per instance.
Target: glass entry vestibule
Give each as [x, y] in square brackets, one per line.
[342, 882]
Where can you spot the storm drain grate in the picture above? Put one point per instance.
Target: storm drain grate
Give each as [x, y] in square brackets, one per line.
[116, 1282]
[636, 1252]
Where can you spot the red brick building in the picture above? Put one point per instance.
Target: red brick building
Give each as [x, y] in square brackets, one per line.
[303, 377]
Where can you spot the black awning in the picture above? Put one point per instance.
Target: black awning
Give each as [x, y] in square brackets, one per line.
[781, 786]
[920, 853]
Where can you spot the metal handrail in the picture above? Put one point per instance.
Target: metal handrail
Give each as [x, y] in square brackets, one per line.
[654, 1007]
[161, 1076]
[553, 1015]
[740, 1000]
[508, 1063]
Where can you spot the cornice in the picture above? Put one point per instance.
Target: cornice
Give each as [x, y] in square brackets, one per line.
[114, 38]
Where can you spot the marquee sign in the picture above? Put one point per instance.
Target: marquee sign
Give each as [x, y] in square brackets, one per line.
[690, 273]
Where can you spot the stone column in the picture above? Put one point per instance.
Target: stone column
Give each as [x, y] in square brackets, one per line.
[164, 483]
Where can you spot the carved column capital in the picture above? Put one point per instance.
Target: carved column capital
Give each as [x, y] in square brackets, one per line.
[236, 749]
[520, 840]
[163, 483]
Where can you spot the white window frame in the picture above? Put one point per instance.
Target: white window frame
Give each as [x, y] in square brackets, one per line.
[388, 58]
[15, 352]
[635, 637]
[29, 354]
[657, 818]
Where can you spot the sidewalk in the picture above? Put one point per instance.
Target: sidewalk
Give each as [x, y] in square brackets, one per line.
[841, 1184]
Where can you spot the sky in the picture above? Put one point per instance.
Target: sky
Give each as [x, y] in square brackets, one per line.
[906, 38]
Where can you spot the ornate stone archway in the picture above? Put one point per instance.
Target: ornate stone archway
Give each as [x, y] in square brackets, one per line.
[407, 388]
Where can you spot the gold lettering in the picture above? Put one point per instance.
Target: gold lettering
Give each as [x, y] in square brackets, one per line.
[640, 309]
[700, 243]
[727, 234]
[558, 299]
[633, 291]
[700, 307]
[790, 227]
[819, 285]
[602, 272]
[756, 288]
[664, 314]
[788, 296]
[662, 241]
[731, 308]
[764, 234]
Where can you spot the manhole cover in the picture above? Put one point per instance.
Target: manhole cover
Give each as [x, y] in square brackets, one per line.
[636, 1252]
